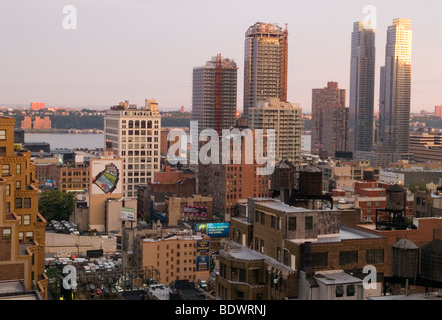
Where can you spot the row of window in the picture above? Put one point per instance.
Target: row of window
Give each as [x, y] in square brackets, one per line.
[6, 169]
[22, 236]
[308, 223]
[19, 204]
[348, 258]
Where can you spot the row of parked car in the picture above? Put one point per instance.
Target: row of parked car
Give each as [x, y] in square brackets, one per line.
[62, 226]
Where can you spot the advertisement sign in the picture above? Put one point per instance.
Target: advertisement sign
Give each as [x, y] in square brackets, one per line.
[193, 211]
[107, 176]
[127, 214]
[214, 230]
[203, 255]
[49, 183]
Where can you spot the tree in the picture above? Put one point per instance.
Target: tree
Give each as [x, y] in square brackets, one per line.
[56, 205]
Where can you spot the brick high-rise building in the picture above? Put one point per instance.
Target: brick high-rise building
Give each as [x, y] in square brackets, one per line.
[26, 123]
[230, 182]
[438, 111]
[329, 121]
[37, 105]
[42, 123]
[265, 64]
[22, 228]
[214, 94]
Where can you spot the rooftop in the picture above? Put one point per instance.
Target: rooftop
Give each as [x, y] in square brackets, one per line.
[345, 233]
[336, 277]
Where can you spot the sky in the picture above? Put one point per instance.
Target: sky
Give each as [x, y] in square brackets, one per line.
[146, 49]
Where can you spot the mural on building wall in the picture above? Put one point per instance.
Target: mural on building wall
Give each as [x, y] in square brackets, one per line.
[106, 177]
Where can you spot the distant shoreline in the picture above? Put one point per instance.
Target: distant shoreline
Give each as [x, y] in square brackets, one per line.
[65, 131]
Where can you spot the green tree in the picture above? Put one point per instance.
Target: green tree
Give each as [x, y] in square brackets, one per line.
[56, 205]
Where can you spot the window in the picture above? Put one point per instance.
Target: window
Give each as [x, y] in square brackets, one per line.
[29, 236]
[292, 223]
[18, 185]
[2, 134]
[26, 219]
[239, 295]
[351, 290]
[2, 151]
[27, 202]
[308, 223]
[18, 203]
[6, 234]
[263, 218]
[319, 259]
[374, 256]
[18, 168]
[5, 169]
[273, 222]
[347, 258]
[339, 291]
[278, 254]
[286, 257]
[242, 275]
[8, 207]
[8, 189]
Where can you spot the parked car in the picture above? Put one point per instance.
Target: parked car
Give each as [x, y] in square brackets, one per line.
[119, 289]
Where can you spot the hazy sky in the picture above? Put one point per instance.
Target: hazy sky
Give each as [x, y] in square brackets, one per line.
[139, 49]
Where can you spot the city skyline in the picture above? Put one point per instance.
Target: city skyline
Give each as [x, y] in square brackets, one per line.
[47, 63]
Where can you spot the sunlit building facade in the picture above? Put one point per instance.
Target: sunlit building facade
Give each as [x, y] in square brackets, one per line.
[265, 64]
[362, 77]
[395, 89]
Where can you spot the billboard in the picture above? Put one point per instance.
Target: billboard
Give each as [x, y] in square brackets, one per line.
[193, 211]
[203, 255]
[127, 214]
[214, 230]
[107, 176]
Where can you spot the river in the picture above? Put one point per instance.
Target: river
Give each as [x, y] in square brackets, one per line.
[93, 141]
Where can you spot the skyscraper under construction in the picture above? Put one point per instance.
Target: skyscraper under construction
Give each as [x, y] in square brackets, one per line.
[214, 94]
[265, 64]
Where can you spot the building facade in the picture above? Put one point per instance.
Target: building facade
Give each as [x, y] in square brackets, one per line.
[135, 134]
[286, 119]
[395, 89]
[329, 121]
[362, 76]
[265, 64]
[22, 228]
[176, 257]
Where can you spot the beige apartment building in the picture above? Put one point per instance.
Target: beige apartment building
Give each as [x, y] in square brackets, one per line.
[177, 257]
[136, 137]
[286, 119]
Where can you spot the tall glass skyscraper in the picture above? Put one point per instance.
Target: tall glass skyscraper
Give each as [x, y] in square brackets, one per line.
[395, 89]
[362, 78]
[265, 64]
